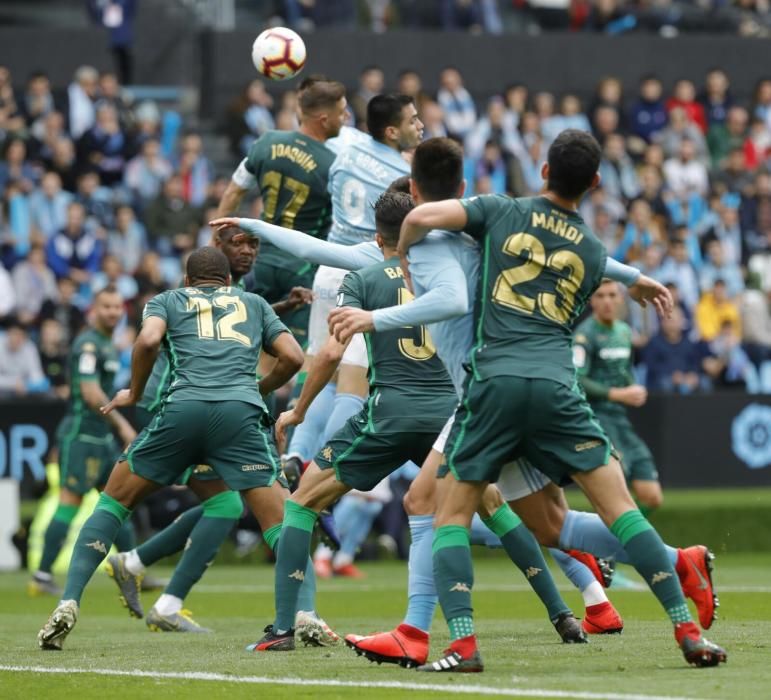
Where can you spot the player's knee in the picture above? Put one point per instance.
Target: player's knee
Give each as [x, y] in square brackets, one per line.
[417, 502]
[649, 495]
[491, 502]
[224, 505]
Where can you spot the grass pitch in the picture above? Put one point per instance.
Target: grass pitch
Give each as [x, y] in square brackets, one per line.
[111, 655]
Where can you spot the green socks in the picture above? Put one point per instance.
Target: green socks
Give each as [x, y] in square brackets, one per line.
[126, 539]
[306, 599]
[292, 561]
[171, 539]
[525, 552]
[648, 555]
[94, 541]
[454, 578]
[56, 534]
[220, 514]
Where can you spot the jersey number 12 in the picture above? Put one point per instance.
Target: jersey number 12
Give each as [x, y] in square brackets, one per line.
[224, 327]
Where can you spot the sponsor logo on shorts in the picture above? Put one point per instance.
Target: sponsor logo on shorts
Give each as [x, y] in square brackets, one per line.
[297, 574]
[255, 468]
[461, 587]
[588, 445]
[98, 546]
[660, 576]
[532, 571]
[326, 453]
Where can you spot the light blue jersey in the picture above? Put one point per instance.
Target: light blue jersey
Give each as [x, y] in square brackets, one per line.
[362, 171]
[347, 137]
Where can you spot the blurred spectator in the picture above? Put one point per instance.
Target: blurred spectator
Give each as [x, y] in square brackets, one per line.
[248, 117]
[497, 126]
[371, 82]
[128, 240]
[96, 200]
[171, 222]
[117, 17]
[728, 136]
[17, 234]
[146, 172]
[762, 106]
[678, 269]
[64, 310]
[471, 15]
[457, 104]
[678, 130]
[617, 171]
[7, 294]
[81, 94]
[148, 123]
[410, 83]
[606, 122]
[648, 114]
[684, 97]
[74, 251]
[756, 324]
[64, 163]
[652, 187]
[112, 274]
[729, 365]
[11, 119]
[46, 133]
[716, 98]
[15, 167]
[490, 171]
[717, 268]
[34, 283]
[48, 206]
[37, 100]
[755, 215]
[432, 117]
[733, 177]
[105, 146]
[728, 232]
[111, 92]
[639, 233]
[195, 169]
[673, 361]
[685, 174]
[716, 309]
[53, 356]
[570, 116]
[149, 276]
[757, 146]
[20, 370]
[608, 97]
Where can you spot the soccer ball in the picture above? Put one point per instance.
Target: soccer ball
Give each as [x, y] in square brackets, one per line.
[278, 53]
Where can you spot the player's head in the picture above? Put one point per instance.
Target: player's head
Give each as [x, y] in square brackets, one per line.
[400, 184]
[606, 301]
[107, 308]
[207, 265]
[240, 249]
[393, 120]
[322, 104]
[390, 210]
[437, 170]
[572, 163]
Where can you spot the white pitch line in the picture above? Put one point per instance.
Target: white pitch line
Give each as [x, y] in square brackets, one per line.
[331, 683]
[492, 587]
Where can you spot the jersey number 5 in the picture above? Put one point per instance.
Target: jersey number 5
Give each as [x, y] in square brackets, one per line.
[224, 328]
[524, 245]
[424, 350]
[272, 183]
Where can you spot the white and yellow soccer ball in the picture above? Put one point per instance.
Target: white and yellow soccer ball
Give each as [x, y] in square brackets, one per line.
[278, 53]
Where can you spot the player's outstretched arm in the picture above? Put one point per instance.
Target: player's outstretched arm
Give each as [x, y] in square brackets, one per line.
[322, 369]
[448, 214]
[231, 199]
[289, 359]
[143, 358]
[307, 247]
[648, 291]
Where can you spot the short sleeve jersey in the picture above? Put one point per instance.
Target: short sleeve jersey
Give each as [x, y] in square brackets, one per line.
[361, 172]
[93, 358]
[407, 379]
[540, 264]
[604, 354]
[292, 172]
[213, 340]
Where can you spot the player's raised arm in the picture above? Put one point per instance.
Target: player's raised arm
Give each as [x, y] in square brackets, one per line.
[642, 288]
[448, 214]
[289, 359]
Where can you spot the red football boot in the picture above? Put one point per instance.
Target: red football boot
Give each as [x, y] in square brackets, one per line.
[697, 650]
[694, 569]
[601, 568]
[349, 571]
[323, 567]
[602, 619]
[406, 646]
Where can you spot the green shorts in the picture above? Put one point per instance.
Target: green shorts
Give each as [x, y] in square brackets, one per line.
[85, 461]
[362, 457]
[636, 458]
[274, 284]
[233, 437]
[504, 418]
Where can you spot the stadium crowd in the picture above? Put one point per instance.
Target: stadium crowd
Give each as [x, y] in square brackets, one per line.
[96, 190]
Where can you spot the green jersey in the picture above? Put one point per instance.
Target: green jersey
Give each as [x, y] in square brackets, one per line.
[603, 357]
[158, 383]
[291, 171]
[213, 340]
[540, 265]
[408, 382]
[93, 358]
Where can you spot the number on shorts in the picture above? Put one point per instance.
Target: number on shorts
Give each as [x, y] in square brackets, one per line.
[527, 246]
[424, 350]
[272, 182]
[224, 327]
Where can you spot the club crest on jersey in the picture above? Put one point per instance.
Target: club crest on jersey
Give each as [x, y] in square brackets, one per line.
[660, 576]
[98, 546]
[461, 587]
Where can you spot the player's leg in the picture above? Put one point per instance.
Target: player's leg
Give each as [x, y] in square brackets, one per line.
[354, 516]
[352, 386]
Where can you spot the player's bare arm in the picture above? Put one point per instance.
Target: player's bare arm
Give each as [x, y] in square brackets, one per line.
[346, 321]
[289, 359]
[647, 290]
[93, 395]
[143, 358]
[321, 371]
[448, 214]
[231, 199]
[298, 296]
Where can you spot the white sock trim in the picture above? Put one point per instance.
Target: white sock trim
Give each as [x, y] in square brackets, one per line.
[168, 604]
[134, 563]
[594, 594]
